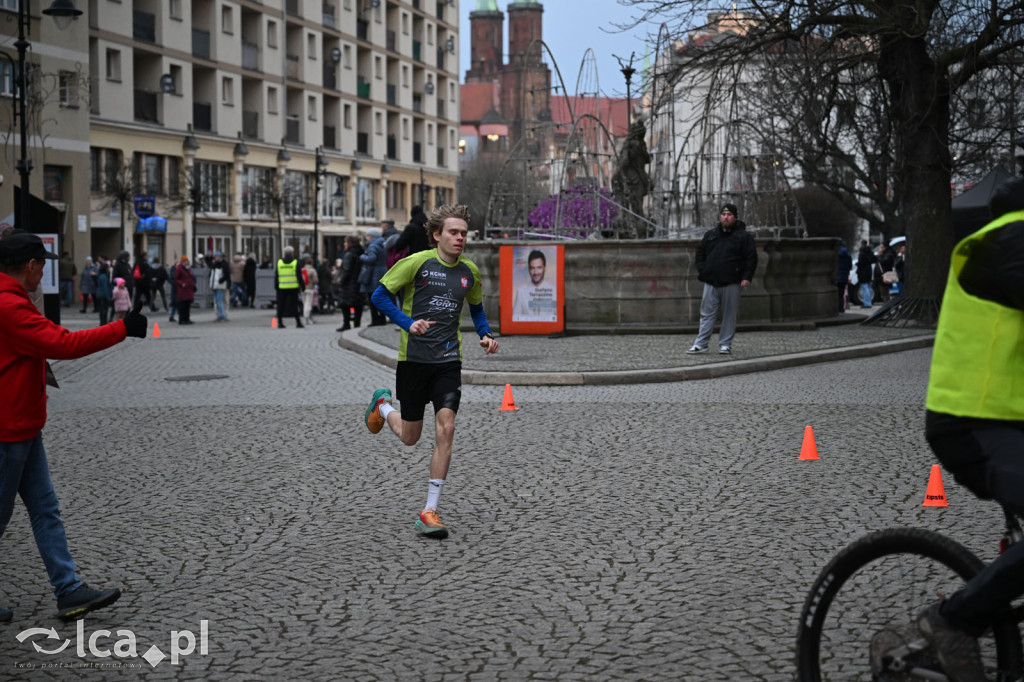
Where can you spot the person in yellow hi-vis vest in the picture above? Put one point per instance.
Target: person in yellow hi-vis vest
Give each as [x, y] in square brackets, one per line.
[975, 417]
[288, 284]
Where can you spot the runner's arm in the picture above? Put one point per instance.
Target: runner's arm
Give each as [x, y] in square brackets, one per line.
[382, 299]
[479, 319]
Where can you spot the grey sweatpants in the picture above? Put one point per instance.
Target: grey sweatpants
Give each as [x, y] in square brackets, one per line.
[726, 299]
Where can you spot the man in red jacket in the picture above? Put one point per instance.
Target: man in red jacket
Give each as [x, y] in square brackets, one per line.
[27, 339]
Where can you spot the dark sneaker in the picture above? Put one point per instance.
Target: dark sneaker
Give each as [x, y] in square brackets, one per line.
[429, 524]
[958, 651]
[373, 420]
[5, 615]
[83, 600]
[695, 349]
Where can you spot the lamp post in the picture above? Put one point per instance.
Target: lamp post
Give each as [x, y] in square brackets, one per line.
[189, 147]
[423, 192]
[321, 171]
[63, 12]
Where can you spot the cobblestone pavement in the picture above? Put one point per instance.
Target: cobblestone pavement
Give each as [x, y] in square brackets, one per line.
[636, 532]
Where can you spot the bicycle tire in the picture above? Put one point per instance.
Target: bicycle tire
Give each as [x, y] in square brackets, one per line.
[937, 562]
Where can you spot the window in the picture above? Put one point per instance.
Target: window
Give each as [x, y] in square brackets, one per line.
[173, 175]
[104, 165]
[430, 34]
[405, 75]
[258, 187]
[311, 107]
[227, 22]
[451, 139]
[405, 23]
[347, 59]
[311, 46]
[298, 194]
[174, 9]
[67, 89]
[271, 100]
[378, 70]
[227, 91]
[11, 5]
[405, 129]
[7, 78]
[214, 189]
[53, 183]
[176, 77]
[334, 198]
[347, 116]
[396, 195]
[366, 198]
[153, 174]
[451, 92]
[113, 65]
[272, 34]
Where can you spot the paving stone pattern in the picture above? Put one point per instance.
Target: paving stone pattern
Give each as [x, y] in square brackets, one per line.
[638, 532]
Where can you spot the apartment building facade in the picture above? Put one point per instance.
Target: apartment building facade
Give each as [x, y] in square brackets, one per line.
[249, 125]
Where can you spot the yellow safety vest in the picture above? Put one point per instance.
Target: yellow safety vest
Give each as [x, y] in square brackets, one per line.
[287, 277]
[978, 360]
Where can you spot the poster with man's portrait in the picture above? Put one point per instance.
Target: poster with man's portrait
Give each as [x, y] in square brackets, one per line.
[532, 289]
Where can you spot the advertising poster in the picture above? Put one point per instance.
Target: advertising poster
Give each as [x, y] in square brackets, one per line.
[49, 283]
[532, 289]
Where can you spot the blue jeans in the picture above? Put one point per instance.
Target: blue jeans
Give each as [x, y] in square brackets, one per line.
[25, 471]
[866, 293]
[218, 298]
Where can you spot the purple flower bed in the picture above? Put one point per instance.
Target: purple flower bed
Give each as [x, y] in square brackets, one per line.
[578, 211]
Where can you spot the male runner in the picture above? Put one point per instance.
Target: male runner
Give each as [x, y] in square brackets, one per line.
[432, 285]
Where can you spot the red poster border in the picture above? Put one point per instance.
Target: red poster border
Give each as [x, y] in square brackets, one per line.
[507, 292]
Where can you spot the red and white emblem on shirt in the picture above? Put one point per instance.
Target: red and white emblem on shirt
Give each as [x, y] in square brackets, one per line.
[465, 282]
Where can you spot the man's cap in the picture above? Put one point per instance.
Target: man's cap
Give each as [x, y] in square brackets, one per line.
[731, 208]
[21, 247]
[217, 254]
[387, 221]
[373, 232]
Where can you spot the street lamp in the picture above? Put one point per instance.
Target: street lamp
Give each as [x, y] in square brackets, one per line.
[63, 12]
[189, 147]
[321, 171]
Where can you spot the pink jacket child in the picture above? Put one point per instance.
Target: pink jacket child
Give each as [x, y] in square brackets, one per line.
[122, 299]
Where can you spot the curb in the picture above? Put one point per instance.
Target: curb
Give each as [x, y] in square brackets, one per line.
[351, 340]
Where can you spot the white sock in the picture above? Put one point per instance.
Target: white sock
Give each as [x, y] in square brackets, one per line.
[434, 492]
[385, 410]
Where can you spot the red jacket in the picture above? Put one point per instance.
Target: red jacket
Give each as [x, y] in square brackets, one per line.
[27, 339]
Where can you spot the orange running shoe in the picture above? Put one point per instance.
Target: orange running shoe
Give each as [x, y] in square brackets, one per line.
[429, 523]
[373, 420]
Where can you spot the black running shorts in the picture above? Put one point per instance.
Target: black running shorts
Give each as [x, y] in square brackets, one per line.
[419, 383]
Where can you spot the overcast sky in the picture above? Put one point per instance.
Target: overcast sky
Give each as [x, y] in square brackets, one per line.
[570, 27]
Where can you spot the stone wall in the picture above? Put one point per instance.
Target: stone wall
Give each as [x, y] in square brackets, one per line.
[654, 282]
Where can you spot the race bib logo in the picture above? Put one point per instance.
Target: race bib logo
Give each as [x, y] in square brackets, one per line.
[443, 303]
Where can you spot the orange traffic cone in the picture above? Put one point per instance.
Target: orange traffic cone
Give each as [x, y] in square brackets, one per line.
[508, 403]
[156, 330]
[809, 450]
[935, 496]
[273, 322]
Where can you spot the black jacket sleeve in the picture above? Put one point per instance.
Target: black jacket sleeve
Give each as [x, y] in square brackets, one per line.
[995, 267]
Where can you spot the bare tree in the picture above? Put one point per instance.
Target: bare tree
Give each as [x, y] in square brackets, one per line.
[901, 70]
[123, 188]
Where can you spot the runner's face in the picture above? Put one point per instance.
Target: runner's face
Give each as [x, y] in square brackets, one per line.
[452, 239]
[536, 271]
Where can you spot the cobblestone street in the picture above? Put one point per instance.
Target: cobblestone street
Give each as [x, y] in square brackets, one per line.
[656, 531]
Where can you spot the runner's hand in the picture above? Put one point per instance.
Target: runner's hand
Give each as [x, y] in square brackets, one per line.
[489, 345]
[420, 327]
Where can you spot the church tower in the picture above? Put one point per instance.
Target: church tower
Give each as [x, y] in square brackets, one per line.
[485, 42]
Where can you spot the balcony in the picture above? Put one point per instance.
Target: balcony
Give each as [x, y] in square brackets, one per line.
[417, 102]
[330, 137]
[145, 106]
[293, 66]
[330, 77]
[417, 152]
[144, 26]
[362, 29]
[251, 124]
[200, 43]
[392, 95]
[202, 116]
[416, 50]
[291, 130]
[363, 88]
[250, 56]
[329, 20]
[363, 143]
[390, 41]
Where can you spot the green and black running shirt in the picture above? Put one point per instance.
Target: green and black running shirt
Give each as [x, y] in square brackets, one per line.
[430, 289]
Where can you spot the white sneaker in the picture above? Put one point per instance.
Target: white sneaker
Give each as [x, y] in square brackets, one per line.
[695, 349]
[724, 350]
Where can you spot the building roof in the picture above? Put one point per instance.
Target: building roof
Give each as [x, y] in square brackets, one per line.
[486, 6]
[476, 100]
[611, 111]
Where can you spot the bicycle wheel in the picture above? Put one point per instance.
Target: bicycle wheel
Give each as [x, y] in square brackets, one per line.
[884, 580]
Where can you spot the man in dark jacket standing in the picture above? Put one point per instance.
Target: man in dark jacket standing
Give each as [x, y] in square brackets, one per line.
[726, 260]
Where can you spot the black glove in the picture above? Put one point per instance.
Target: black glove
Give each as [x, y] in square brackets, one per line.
[135, 324]
[222, 280]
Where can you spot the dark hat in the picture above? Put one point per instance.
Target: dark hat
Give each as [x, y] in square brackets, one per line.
[21, 247]
[731, 208]
[1009, 196]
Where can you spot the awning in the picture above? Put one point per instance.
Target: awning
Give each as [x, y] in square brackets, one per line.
[152, 224]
